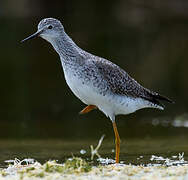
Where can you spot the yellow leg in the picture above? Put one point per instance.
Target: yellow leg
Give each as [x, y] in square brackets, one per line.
[117, 140]
[88, 109]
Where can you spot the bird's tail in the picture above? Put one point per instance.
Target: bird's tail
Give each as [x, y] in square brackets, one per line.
[162, 98]
[156, 98]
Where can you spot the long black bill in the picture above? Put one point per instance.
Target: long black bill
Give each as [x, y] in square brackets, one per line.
[31, 37]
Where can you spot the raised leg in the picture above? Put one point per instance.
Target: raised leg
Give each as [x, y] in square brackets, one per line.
[117, 141]
[88, 109]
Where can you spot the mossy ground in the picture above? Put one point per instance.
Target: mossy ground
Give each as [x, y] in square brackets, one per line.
[78, 168]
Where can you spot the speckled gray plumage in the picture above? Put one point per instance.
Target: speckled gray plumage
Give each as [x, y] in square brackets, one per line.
[102, 75]
[110, 78]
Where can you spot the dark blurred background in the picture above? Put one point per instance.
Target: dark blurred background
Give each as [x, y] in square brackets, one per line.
[146, 38]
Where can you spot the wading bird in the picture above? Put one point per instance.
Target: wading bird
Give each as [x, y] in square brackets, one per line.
[96, 81]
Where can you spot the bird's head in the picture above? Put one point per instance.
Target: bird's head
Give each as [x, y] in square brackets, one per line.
[48, 29]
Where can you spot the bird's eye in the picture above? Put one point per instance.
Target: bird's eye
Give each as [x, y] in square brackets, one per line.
[50, 27]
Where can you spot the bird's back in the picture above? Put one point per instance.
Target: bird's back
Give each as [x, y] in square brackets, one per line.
[121, 83]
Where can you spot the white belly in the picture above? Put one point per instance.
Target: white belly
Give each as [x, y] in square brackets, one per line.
[86, 93]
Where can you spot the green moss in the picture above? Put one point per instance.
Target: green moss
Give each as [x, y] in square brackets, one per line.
[77, 164]
[3, 173]
[41, 174]
[30, 169]
[53, 167]
[74, 165]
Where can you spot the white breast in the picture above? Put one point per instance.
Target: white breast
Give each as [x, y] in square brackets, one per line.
[84, 92]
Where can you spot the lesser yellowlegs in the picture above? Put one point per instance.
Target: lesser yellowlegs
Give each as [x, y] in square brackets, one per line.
[96, 81]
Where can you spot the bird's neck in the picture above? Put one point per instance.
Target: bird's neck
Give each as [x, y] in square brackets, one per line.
[65, 47]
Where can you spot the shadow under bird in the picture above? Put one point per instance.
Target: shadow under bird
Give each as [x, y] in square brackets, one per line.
[97, 82]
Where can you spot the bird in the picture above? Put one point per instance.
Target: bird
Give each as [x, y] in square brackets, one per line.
[96, 81]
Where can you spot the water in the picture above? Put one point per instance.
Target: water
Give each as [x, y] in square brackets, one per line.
[140, 139]
[134, 151]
